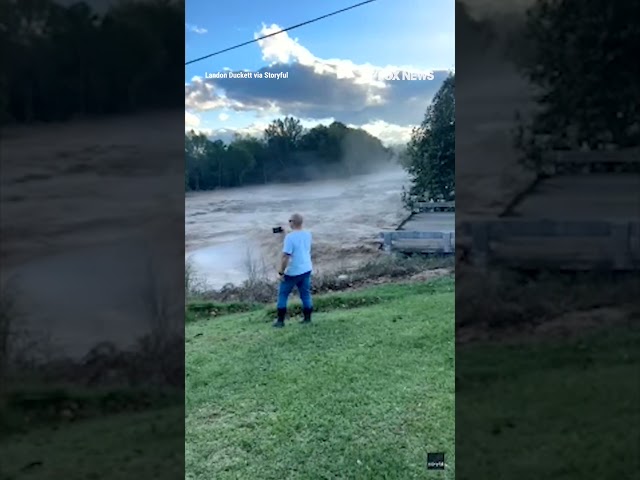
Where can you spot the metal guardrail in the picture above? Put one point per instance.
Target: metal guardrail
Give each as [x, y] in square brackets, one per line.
[434, 206]
[628, 155]
[418, 242]
[574, 245]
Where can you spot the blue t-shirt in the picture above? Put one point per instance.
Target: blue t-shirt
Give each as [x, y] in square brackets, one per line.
[297, 245]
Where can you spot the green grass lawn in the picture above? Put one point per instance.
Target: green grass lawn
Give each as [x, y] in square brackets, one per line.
[125, 446]
[363, 393]
[566, 409]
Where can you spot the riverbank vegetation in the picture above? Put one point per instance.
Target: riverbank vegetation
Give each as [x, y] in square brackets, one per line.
[60, 61]
[260, 286]
[286, 152]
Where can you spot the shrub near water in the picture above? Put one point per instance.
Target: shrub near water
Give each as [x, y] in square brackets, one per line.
[390, 267]
[205, 310]
[512, 298]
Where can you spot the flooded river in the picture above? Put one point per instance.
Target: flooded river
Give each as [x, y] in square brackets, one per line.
[228, 233]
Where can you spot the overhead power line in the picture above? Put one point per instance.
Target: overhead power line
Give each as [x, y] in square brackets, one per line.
[279, 31]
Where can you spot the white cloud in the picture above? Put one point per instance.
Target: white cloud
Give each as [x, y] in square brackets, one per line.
[191, 120]
[282, 49]
[223, 117]
[319, 88]
[388, 133]
[255, 130]
[195, 29]
[201, 95]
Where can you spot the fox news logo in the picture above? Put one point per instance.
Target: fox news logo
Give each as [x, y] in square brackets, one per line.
[388, 75]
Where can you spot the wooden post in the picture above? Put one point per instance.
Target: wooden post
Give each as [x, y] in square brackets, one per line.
[386, 239]
[448, 247]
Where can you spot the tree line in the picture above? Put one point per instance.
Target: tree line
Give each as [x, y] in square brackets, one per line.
[286, 152]
[63, 61]
[580, 54]
[430, 156]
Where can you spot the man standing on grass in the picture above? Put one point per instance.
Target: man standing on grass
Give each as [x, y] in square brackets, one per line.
[295, 270]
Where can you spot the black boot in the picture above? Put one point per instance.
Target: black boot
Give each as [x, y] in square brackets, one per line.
[307, 315]
[279, 323]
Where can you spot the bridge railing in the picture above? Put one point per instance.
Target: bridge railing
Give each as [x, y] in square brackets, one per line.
[570, 245]
[572, 161]
[420, 207]
[418, 242]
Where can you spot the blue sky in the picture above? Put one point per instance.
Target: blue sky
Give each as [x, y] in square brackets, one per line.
[327, 63]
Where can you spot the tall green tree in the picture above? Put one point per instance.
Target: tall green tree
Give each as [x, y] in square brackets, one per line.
[282, 138]
[288, 131]
[584, 58]
[430, 156]
[239, 162]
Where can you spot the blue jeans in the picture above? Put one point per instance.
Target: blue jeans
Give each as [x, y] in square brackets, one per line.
[302, 282]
